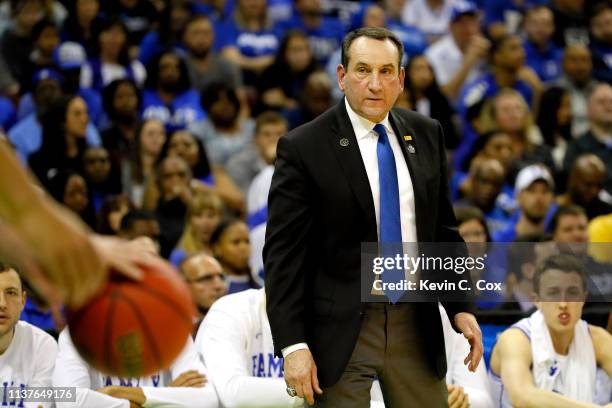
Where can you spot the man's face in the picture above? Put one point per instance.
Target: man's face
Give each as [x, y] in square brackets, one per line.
[577, 64]
[373, 79]
[169, 72]
[585, 184]
[572, 228]
[174, 177]
[464, 28]
[48, 40]
[206, 281]
[12, 301]
[540, 26]
[600, 106]
[199, 37]
[96, 164]
[125, 101]
[511, 54]
[46, 91]
[500, 148]
[560, 299]
[487, 184]
[75, 194]
[601, 26]
[266, 140]
[535, 200]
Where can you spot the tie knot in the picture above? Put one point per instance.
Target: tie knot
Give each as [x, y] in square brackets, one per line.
[380, 129]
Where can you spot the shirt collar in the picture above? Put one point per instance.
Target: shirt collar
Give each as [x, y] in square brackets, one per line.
[363, 126]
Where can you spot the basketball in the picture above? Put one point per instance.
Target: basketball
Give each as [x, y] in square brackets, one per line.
[134, 328]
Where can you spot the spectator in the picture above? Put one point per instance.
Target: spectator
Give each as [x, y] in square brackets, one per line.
[282, 82]
[168, 95]
[80, 26]
[424, 96]
[26, 352]
[70, 189]
[244, 166]
[555, 122]
[577, 80]
[204, 64]
[111, 58]
[64, 135]
[551, 357]
[138, 16]
[429, 16]
[103, 179]
[224, 133]
[315, 99]
[586, 181]
[138, 223]
[459, 56]
[601, 41]
[122, 106]
[598, 139]
[504, 16]
[204, 213]
[110, 215]
[209, 178]
[543, 56]
[135, 173]
[414, 40]
[324, 33]
[231, 246]
[534, 193]
[183, 384]
[249, 39]
[206, 282]
[571, 24]
[473, 229]
[167, 36]
[45, 39]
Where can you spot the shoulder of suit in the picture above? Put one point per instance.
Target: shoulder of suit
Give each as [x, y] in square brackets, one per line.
[414, 118]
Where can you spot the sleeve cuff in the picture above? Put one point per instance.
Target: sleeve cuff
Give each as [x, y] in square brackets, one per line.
[290, 349]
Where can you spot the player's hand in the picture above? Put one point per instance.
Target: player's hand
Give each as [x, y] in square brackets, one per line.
[301, 374]
[190, 378]
[457, 398]
[477, 49]
[467, 324]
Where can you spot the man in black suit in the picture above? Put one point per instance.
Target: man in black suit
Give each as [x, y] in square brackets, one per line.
[336, 184]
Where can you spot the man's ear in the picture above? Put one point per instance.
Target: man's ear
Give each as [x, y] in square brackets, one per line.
[402, 77]
[340, 74]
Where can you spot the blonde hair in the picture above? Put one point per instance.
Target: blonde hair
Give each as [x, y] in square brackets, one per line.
[200, 202]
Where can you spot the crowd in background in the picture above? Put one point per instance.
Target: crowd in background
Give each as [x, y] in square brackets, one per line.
[161, 118]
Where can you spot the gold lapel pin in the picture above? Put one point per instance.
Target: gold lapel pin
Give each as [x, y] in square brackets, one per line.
[408, 138]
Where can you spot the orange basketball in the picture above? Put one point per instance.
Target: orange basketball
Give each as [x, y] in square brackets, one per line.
[134, 329]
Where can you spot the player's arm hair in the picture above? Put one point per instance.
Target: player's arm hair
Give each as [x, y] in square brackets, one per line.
[515, 361]
[602, 343]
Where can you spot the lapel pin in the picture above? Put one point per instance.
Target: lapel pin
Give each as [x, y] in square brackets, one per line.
[344, 142]
[411, 149]
[408, 138]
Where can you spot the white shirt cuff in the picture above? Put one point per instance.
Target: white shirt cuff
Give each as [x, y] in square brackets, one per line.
[290, 349]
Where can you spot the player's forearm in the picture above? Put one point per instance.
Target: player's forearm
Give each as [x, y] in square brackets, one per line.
[180, 397]
[93, 399]
[533, 397]
[254, 392]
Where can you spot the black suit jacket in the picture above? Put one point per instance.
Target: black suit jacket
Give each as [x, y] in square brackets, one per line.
[320, 210]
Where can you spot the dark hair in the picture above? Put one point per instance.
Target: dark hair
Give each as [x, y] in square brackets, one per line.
[136, 160]
[432, 89]
[561, 262]
[5, 267]
[132, 216]
[202, 167]
[465, 213]
[184, 83]
[105, 25]
[165, 34]
[498, 42]
[281, 58]
[376, 33]
[108, 95]
[217, 234]
[211, 93]
[600, 8]
[550, 103]
[57, 188]
[268, 117]
[40, 27]
[111, 204]
[562, 212]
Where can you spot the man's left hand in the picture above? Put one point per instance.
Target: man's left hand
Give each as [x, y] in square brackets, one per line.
[466, 322]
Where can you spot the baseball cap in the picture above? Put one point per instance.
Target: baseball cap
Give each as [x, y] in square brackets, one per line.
[69, 55]
[462, 7]
[530, 174]
[46, 73]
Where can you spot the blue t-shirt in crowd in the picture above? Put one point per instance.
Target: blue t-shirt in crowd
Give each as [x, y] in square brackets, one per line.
[414, 40]
[7, 114]
[91, 97]
[602, 61]
[546, 63]
[495, 11]
[324, 40]
[183, 110]
[250, 43]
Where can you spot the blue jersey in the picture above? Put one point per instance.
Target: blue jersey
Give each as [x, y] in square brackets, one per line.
[324, 40]
[7, 114]
[414, 40]
[496, 10]
[546, 63]
[184, 109]
[250, 43]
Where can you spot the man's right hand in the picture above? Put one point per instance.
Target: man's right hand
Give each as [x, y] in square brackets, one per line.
[301, 374]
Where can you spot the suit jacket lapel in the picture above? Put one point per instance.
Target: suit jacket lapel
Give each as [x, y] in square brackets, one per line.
[350, 160]
[417, 173]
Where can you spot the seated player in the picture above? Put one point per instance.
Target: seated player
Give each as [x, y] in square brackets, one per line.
[550, 358]
[27, 354]
[183, 385]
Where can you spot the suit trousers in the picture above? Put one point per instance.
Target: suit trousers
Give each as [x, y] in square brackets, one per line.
[390, 348]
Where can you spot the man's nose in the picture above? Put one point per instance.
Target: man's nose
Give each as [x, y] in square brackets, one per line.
[375, 83]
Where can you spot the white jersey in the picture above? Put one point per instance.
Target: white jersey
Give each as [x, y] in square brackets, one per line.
[446, 59]
[27, 362]
[72, 371]
[257, 208]
[236, 343]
